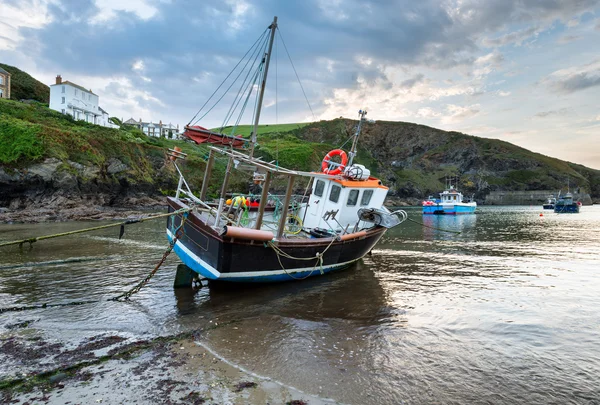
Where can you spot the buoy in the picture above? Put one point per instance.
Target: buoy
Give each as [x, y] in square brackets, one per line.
[228, 202]
[541, 215]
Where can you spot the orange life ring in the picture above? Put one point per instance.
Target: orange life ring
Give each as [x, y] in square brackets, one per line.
[340, 168]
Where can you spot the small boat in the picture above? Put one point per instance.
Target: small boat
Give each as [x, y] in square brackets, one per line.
[550, 203]
[566, 205]
[259, 236]
[451, 202]
[201, 135]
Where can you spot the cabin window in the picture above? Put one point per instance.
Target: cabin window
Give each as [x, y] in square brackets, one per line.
[352, 198]
[319, 188]
[334, 195]
[366, 197]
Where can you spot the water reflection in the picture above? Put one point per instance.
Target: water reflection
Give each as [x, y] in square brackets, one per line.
[504, 312]
[446, 227]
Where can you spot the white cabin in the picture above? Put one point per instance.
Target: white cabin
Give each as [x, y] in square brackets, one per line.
[344, 196]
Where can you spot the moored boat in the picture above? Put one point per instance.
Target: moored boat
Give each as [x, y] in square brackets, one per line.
[550, 203]
[257, 236]
[451, 202]
[566, 205]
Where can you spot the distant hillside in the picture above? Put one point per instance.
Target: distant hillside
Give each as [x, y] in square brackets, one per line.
[25, 87]
[415, 160]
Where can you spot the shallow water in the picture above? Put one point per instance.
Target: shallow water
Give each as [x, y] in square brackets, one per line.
[504, 312]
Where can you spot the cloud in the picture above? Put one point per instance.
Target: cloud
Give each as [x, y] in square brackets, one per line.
[457, 113]
[513, 38]
[561, 112]
[574, 79]
[410, 83]
[568, 39]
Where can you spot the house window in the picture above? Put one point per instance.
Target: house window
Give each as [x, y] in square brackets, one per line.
[1, 93]
[1, 79]
[334, 195]
[366, 197]
[75, 92]
[63, 100]
[319, 188]
[352, 198]
[63, 110]
[63, 89]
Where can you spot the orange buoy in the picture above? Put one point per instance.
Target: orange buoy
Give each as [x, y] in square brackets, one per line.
[541, 215]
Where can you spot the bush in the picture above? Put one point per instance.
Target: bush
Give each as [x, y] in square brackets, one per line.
[19, 140]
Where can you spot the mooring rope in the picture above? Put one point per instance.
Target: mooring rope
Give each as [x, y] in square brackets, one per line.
[126, 295]
[318, 256]
[121, 224]
[431, 227]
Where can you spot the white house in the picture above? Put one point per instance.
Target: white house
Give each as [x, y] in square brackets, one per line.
[77, 101]
[155, 129]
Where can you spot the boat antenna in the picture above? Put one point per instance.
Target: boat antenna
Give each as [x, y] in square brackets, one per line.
[352, 153]
[273, 28]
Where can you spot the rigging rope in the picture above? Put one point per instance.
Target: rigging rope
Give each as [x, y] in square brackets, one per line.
[297, 77]
[223, 82]
[239, 95]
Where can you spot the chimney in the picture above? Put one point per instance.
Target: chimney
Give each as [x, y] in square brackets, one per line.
[58, 79]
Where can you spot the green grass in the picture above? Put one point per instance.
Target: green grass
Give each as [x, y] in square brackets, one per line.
[19, 140]
[245, 130]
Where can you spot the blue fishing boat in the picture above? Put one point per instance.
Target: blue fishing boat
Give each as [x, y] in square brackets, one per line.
[566, 205]
[451, 202]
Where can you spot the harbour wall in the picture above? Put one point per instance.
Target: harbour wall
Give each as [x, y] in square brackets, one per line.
[536, 197]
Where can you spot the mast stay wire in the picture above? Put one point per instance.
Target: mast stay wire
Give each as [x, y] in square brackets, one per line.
[227, 77]
[296, 73]
[252, 84]
[243, 88]
[257, 50]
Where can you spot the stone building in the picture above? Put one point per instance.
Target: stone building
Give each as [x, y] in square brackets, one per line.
[4, 84]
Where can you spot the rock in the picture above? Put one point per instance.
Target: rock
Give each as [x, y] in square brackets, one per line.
[57, 378]
[45, 170]
[116, 166]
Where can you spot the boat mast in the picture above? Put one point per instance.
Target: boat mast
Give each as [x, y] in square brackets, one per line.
[352, 153]
[272, 27]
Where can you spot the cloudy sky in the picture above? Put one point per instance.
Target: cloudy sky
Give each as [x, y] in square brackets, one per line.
[525, 71]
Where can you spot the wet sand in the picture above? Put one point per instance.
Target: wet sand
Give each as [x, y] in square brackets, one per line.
[115, 370]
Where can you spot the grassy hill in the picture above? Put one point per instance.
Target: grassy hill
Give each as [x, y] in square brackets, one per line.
[246, 130]
[413, 160]
[25, 87]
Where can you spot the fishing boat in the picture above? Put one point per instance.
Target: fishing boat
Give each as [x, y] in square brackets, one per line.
[550, 203]
[566, 205]
[451, 202]
[259, 236]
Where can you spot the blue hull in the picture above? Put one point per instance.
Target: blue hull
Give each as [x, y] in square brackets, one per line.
[440, 209]
[567, 209]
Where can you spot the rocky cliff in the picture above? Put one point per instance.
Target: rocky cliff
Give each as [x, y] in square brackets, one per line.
[415, 160]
